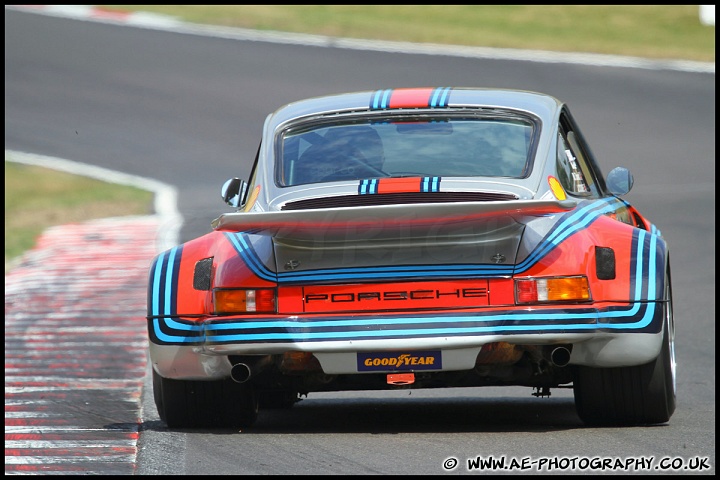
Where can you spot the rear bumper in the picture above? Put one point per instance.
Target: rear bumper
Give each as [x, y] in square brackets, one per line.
[609, 337]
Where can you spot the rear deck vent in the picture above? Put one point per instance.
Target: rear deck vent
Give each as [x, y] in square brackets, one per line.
[397, 199]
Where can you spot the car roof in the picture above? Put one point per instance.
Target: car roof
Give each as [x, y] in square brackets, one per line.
[542, 105]
[545, 108]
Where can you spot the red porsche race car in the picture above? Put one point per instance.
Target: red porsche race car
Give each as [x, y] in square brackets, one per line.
[417, 238]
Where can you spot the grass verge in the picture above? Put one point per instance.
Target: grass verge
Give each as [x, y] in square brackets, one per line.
[37, 198]
[650, 31]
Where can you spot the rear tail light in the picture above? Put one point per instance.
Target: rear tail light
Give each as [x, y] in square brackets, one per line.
[245, 300]
[552, 289]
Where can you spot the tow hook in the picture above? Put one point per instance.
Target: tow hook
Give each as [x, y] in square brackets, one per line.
[401, 378]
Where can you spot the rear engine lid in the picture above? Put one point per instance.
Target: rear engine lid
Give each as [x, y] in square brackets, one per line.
[358, 242]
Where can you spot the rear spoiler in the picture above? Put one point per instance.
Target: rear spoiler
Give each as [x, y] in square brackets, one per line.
[390, 221]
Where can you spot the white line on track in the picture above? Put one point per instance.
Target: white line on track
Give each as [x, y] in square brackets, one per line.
[108, 456]
[38, 429]
[67, 444]
[165, 195]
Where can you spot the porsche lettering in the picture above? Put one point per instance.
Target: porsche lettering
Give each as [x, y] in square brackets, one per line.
[346, 297]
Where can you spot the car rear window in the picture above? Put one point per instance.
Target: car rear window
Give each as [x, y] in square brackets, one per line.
[404, 147]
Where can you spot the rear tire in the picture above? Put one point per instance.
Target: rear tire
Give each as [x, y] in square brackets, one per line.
[640, 395]
[204, 404]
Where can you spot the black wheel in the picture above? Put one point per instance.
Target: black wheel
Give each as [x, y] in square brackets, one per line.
[204, 404]
[157, 395]
[640, 395]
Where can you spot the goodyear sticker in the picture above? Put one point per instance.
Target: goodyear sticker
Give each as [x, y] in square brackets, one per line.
[399, 361]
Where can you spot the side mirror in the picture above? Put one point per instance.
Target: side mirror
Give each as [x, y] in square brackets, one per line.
[233, 192]
[619, 181]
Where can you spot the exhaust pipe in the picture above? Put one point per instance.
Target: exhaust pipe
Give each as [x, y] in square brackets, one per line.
[560, 356]
[242, 372]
